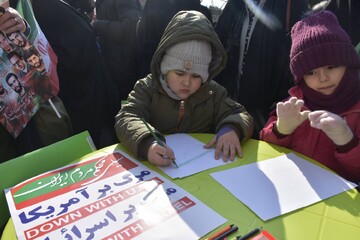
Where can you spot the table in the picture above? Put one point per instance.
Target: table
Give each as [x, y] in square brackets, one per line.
[335, 218]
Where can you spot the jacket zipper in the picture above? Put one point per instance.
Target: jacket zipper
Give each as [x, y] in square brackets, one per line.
[181, 114]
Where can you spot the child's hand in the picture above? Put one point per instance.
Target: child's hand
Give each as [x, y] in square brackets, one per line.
[333, 125]
[160, 156]
[289, 115]
[228, 144]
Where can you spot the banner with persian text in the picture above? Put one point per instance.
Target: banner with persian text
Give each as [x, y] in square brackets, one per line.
[108, 196]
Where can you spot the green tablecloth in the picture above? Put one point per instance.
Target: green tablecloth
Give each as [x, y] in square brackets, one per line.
[332, 219]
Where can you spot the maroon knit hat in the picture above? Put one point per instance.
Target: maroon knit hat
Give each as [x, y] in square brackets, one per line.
[318, 40]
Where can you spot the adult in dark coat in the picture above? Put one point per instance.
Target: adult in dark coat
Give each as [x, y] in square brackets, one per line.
[85, 87]
[264, 76]
[85, 7]
[155, 17]
[115, 25]
[207, 13]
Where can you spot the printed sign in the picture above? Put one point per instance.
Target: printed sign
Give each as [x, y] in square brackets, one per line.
[107, 197]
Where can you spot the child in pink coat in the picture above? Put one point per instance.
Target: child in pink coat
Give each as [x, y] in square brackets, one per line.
[321, 118]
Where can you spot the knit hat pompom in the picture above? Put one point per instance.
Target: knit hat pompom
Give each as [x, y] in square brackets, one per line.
[192, 56]
[318, 40]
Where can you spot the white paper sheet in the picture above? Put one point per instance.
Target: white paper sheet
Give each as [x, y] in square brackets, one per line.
[191, 156]
[280, 185]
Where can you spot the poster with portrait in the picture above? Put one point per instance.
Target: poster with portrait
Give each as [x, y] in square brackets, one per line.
[107, 196]
[27, 72]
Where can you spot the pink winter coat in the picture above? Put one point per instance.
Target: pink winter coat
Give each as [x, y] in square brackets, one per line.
[315, 144]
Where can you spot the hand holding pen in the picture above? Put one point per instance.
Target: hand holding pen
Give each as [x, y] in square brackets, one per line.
[159, 153]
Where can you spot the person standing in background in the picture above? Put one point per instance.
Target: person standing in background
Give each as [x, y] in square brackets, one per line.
[45, 127]
[115, 26]
[85, 86]
[85, 7]
[255, 36]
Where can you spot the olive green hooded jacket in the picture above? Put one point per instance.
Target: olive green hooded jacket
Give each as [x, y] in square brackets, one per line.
[206, 111]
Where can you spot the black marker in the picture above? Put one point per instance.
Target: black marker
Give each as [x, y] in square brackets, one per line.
[227, 233]
[249, 234]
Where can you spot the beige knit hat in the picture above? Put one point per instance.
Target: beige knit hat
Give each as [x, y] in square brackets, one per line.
[192, 56]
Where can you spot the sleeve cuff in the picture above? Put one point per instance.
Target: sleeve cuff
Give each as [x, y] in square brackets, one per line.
[144, 147]
[277, 133]
[222, 131]
[350, 145]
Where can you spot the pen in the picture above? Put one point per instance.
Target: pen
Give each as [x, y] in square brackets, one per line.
[226, 233]
[227, 228]
[157, 140]
[249, 234]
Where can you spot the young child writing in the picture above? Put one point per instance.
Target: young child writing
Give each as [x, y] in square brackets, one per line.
[321, 119]
[180, 97]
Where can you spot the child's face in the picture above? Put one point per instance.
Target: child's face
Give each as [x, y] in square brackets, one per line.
[325, 79]
[183, 83]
